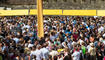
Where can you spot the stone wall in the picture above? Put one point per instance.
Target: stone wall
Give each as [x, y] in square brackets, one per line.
[21, 2]
[77, 4]
[60, 4]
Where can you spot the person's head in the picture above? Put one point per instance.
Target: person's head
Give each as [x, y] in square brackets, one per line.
[68, 39]
[44, 45]
[36, 42]
[29, 41]
[30, 34]
[73, 39]
[55, 58]
[74, 45]
[66, 49]
[38, 47]
[99, 43]
[83, 43]
[50, 57]
[34, 47]
[58, 39]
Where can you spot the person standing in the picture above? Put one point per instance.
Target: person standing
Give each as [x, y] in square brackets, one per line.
[99, 51]
[76, 54]
[92, 52]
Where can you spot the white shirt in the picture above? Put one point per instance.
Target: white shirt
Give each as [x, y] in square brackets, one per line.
[60, 58]
[100, 29]
[92, 51]
[37, 53]
[45, 53]
[16, 40]
[45, 21]
[26, 26]
[49, 43]
[52, 38]
[53, 53]
[30, 45]
[64, 44]
[80, 41]
[73, 43]
[76, 55]
[88, 47]
[69, 45]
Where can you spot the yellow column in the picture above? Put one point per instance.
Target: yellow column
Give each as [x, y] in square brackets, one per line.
[40, 19]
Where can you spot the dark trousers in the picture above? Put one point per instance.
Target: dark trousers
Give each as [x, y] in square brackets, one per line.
[92, 57]
[99, 58]
[87, 57]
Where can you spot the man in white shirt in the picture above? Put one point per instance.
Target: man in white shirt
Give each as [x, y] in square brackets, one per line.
[37, 53]
[53, 53]
[16, 39]
[80, 41]
[88, 47]
[45, 52]
[100, 29]
[30, 45]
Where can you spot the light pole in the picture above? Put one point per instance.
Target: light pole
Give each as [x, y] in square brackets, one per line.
[40, 19]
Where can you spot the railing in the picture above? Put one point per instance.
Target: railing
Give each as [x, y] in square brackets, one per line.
[53, 12]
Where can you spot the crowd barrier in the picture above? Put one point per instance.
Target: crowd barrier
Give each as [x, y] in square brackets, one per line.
[80, 12]
[100, 12]
[53, 12]
[13, 12]
[46, 12]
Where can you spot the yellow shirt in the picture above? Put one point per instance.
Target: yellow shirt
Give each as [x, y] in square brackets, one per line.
[59, 50]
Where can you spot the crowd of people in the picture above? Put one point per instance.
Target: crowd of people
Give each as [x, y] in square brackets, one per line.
[65, 38]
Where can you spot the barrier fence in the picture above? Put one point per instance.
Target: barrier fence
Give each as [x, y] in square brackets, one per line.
[53, 12]
[13, 12]
[46, 12]
[100, 12]
[80, 12]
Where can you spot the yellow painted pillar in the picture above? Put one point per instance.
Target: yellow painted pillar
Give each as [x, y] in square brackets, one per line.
[40, 19]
